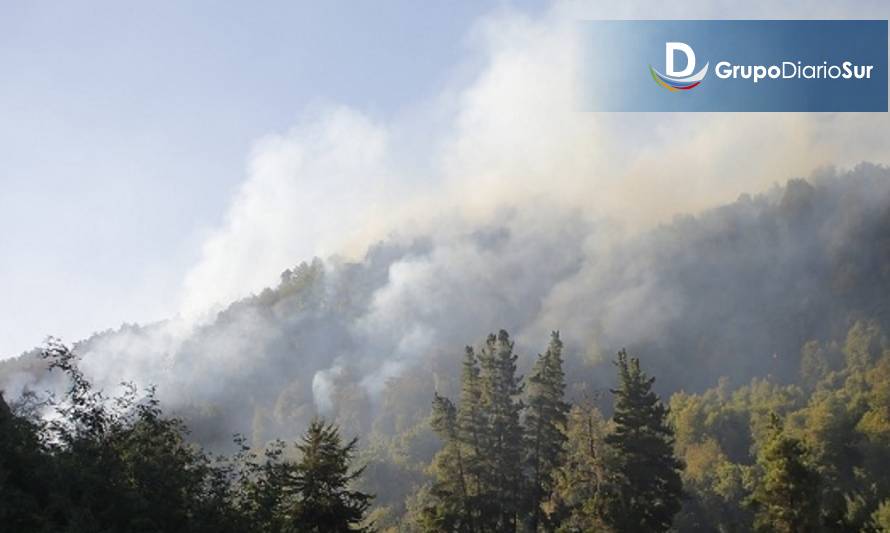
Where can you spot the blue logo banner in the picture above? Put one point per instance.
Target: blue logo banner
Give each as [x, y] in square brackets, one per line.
[734, 65]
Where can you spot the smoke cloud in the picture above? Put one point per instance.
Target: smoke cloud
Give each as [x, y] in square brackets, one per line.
[492, 204]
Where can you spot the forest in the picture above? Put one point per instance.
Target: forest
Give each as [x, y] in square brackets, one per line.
[728, 371]
[513, 455]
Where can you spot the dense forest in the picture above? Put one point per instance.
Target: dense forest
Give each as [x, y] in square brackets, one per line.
[764, 321]
[512, 455]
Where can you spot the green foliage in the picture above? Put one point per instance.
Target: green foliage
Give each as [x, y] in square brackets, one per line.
[881, 517]
[454, 510]
[835, 430]
[118, 464]
[545, 424]
[819, 363]
[502, 442]
[318, 498]
[479, 480]
[717, 488]
[25, 473]
[787, 495]
[647, 487]
[113, 464]
[510, 455]
[581, 478]
[863, 344]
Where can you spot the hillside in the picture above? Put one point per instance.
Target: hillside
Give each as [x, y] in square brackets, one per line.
[734, 291]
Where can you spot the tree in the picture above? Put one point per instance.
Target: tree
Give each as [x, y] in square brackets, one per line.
[581, 476]
[460, 495]
[451, 509]
[646, 477]
[321, 497]
[545, 425]
[479, 476]
[716, 490]
[472, 434]
[834, 450]
[118, 464]
[881, 518]
[100, 463]
[787, 496]
[25, 473]
[501, 457]
[863, 344]
[262, 485]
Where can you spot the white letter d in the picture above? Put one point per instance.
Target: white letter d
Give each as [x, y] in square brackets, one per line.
[669, 49]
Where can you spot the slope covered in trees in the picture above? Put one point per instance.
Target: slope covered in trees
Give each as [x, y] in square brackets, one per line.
[806, 456]
[810, 455]
[766, 292]
[512, 455]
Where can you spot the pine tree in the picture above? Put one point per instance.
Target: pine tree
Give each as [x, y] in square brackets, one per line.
[787, 497]
[646, 477]
[500, 456]
[457, 494]
[321, 479]
[450, 509]
[545, 426]
[472, 431]
[478, 471]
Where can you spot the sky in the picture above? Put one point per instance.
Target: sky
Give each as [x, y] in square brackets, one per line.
[159, 158]
[126, 129]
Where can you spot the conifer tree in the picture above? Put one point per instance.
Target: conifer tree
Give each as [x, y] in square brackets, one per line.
[787, 497]
[501, 458]
[546, 428]
[321, 479]
[457, 494]
[472, 433]
[451, 509]
[647, 488]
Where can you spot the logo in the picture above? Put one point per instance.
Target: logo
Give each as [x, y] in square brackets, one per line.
[743, 65]
[678, 80]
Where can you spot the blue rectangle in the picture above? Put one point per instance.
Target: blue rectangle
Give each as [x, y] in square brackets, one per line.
[617, 57]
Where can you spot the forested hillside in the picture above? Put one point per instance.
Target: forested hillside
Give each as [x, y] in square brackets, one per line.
[511, 454]
[763, 322]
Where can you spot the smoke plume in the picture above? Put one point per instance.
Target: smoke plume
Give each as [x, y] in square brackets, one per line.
[494, 204]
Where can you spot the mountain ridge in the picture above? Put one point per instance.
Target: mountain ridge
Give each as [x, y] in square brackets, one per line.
[733, 291]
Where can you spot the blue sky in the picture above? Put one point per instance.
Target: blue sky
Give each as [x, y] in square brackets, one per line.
[126, 125]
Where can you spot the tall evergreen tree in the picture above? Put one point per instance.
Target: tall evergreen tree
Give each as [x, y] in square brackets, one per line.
[501, 457]
[647, 488]
[787, 496]
[451, 508]
[457, 495]
[545, 428]
[472, 432]
[321, 478]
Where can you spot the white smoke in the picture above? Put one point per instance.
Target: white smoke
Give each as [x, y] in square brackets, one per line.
[503, 148]
[308, 192]
[323, 387]
[510, 136]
